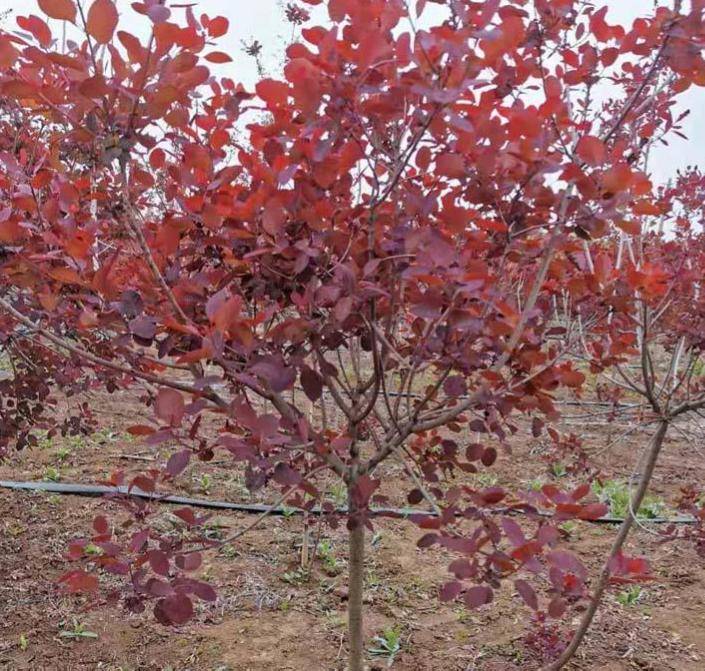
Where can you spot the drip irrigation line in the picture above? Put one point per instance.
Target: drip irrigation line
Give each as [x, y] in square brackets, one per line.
[259, 508]
[255, 508]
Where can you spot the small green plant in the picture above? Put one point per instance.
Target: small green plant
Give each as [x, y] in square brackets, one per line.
[77, 442]
[204, 483]
[92, 550]
[536, 484]
[568, 528]
[463, 615]
[24, 642]
[16, 529]
[108, 435]
[296, 577]
[558, 470]
[69, 444]
[335, 620]
[288, 512]
[331, 564]
[213, 530]
[388, 644]
[372, 579]
[338, 493]
[228, 551]
[63, 453]
[77, 632]
[630, 597]
[486, 479]
[43, 440]
[52, 474]
[616, 495]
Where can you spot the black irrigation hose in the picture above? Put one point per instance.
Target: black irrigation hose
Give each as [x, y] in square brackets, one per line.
[259, 508]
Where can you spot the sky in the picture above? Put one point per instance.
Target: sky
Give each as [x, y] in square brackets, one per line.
[263, 20]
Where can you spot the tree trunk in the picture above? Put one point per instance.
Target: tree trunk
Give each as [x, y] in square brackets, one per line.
[624, 529]
[356, 576]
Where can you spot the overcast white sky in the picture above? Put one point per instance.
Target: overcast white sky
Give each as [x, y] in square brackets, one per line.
[264, 21]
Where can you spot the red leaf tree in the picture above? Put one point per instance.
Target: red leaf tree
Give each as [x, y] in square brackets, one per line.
[383, 231]
[648, 353]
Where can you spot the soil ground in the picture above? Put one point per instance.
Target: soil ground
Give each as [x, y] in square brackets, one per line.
[269, 618]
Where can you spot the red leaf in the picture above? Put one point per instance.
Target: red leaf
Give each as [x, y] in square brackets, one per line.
[593, 511]
[629, 227]
[620, 565]
[187, 515]
[218, 26]
[8, 56]
[101, 526]
[451, 165]
[79, 581]
[493, 495]
[219, 138]
[617, 179]
[526, 551]
[572, 378]
[158, 587]
[492, 225]
[513, 531]
[176, 609]
[159, 13]
[178, 462]
[169, 406]
[557, 607]
[312, 384]
[423, 158]
[144, 483]
[427, 540]
[273, 217]
[94, 87]
[450, 591]
[76, 550]
[474, 452]
[343, 308]
[274, 93]
[37, 27]
[489, 456]
[102, 21]
[62, 10]
[204, 591]
[140, 430]
[138, 540]
[580, 492]
[478, 596]
[591, 150]
[158, 561]
[363, 489]
[135, 51]
[527, 593]
[157, 159]
[285, 475]
[218, 57]
[462, 568]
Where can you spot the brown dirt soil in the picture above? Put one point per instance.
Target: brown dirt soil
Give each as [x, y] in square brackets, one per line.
[268, 619]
